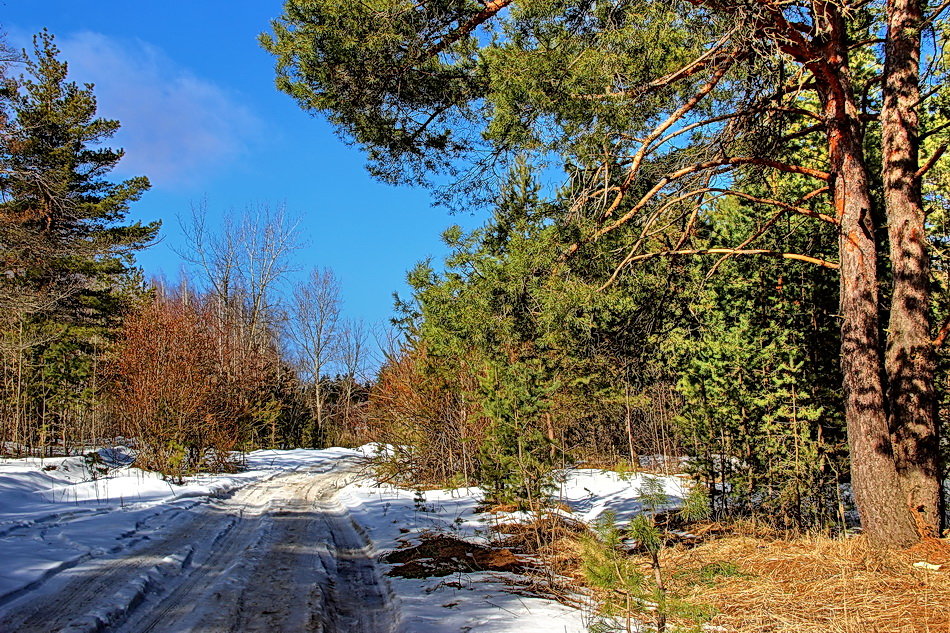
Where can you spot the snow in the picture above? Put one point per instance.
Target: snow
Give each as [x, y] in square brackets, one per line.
[592, 492]
[56, 514]
[394, 517]
[475, 602]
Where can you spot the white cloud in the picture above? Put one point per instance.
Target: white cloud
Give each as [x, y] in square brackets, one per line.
[177, 128]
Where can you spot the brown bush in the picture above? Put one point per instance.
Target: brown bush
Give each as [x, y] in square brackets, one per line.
[190, 384]
[421, 408]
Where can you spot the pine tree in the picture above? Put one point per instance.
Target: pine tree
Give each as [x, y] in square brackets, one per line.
[664, 106]
[62, 217]
[65, 245]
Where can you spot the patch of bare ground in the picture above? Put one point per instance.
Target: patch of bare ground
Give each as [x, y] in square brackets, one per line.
[540, 556]
[442, 554]
[815, 584]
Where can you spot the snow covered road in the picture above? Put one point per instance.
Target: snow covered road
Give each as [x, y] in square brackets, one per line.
[278, 555]
[291, 543]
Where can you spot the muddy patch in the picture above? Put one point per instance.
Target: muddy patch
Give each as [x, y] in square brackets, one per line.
[442, 555]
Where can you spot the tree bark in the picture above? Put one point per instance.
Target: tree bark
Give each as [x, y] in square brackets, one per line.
[885, 516]
[909, 357]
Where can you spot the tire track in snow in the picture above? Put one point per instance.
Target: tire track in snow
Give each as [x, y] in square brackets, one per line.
[279, 555]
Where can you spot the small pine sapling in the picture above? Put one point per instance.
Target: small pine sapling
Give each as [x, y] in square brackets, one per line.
[608, 569]
[607, 566]
[646, 532]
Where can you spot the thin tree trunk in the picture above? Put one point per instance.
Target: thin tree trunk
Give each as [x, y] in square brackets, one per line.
[661, 592]
[628, 419]
[909, 357]
[320, 430]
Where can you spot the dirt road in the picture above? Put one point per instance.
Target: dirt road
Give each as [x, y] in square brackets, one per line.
[279, 555]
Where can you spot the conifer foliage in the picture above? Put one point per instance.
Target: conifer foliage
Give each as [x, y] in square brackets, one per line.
[67, 249]
[186, 374]
[664, 114]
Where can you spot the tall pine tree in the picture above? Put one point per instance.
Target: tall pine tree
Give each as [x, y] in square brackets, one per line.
[66, 248]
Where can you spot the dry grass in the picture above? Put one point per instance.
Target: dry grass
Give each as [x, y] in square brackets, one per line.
[759, 580]
[816, 584]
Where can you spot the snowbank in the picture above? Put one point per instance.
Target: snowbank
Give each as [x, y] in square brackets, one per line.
[589, 493]
[395, 517]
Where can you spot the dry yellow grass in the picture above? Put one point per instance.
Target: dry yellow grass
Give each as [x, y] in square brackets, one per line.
[758, 580]
[817, 585]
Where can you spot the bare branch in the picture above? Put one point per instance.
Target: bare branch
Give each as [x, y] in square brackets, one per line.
[936, 12]
[931, 161]
[784, 205]
[692, 169]
[707, 60]
[647, 145]
[759, 233]
[490, 10]
[733, 251]
[783, 208]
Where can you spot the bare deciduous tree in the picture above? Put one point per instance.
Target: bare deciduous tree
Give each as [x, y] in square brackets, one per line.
[243, 264]
[314, 328]
[352, 358]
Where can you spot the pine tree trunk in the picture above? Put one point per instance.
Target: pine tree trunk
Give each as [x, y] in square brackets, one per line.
[885, 517]
[909, 358]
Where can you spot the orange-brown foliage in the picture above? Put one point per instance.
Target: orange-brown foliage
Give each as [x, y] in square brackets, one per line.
[429, 416]
[188, 385]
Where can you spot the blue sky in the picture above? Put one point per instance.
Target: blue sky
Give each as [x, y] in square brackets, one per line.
[201, 118]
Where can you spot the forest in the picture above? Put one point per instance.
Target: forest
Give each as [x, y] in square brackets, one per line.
[189, 371]
[715, 239]
[742, 246]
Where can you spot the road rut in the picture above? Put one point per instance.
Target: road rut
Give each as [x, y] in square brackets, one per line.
[279, 555]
